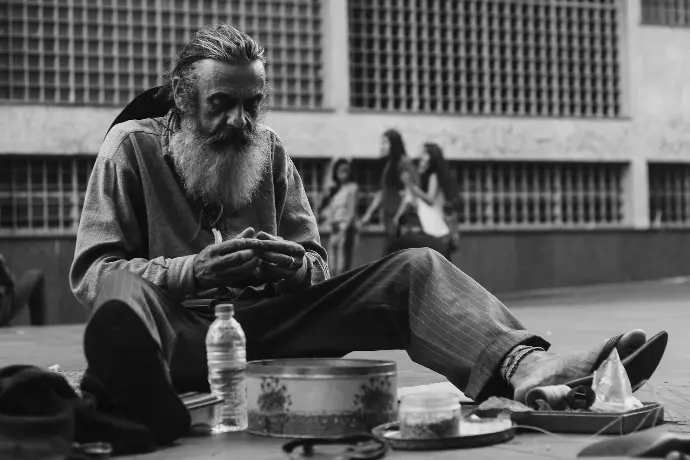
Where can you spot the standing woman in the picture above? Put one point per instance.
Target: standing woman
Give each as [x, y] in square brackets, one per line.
[398, 165]
[338, 208]
[436, 189]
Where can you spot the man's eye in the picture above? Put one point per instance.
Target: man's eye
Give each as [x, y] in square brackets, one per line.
[221, 103]
[215, 106]
[252, 105]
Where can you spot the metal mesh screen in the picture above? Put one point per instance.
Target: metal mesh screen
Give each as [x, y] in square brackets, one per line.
[105, 52]
[492, 57]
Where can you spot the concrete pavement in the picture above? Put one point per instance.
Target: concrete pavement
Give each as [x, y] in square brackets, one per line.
[570, 319]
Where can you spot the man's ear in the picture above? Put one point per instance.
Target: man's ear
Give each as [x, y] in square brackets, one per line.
[176, 90]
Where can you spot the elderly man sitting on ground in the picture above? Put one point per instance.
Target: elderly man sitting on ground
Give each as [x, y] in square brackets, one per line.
[146, 255]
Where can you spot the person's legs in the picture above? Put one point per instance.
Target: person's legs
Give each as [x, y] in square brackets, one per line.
[8, 309]
[340, 251]
[447, 247]
[349, 247]
[414, 300]
[143, 347]
[418, 301]
[30, 289]
[390, 232]
[330, 247]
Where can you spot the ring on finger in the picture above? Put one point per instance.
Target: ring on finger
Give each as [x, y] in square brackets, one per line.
[292, 262]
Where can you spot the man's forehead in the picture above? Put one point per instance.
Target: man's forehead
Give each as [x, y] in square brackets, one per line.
[233, 77]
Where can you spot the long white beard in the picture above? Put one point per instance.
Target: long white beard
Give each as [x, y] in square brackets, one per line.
[224, 174]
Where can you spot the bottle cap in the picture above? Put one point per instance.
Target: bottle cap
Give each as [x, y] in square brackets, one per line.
[224, 308]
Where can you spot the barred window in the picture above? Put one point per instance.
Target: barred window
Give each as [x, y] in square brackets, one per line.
[669, 194]
[498, 57]
[534, 194]
[666, 12]
[105, 52]
[313, 173]
[366, 173]
[505, 195]
[42, 195]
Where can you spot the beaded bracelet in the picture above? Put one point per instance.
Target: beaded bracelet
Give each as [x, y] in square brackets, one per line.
[519, 359]
[509, 360]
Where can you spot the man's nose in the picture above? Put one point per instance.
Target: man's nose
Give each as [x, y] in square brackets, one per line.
[236, 118]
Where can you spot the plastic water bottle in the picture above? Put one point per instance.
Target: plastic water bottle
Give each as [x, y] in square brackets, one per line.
[227, 364]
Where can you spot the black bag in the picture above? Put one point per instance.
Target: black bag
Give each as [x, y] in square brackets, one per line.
[152, 103]
[409, 235]
[41, 415]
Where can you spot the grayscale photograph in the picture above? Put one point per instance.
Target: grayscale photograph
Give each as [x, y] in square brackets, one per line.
[344, 229]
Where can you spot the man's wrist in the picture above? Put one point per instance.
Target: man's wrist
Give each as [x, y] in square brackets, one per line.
[303, 271]
[302, 277]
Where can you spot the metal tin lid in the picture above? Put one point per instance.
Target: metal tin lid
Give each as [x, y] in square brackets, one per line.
[320, 366]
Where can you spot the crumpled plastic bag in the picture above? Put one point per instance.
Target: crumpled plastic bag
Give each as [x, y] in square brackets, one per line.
[612, 387]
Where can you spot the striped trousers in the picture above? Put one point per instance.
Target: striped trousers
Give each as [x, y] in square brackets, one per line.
[414, 300]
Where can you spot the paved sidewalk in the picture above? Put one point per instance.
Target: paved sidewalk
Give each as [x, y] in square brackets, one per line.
[570, 319]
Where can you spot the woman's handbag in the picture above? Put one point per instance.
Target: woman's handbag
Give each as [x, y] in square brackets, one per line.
[413, 229]
[431, 219]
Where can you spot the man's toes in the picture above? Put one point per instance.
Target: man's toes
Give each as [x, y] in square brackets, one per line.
[630, 342]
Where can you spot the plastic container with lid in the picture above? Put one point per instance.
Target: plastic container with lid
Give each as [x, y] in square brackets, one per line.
[429, 416]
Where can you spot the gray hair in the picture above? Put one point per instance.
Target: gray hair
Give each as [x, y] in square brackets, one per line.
[221, 42]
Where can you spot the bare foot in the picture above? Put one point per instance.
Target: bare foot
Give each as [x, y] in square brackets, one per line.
[544, 368]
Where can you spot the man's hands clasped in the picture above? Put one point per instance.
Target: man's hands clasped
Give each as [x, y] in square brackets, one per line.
[250, 259]
[282, 261]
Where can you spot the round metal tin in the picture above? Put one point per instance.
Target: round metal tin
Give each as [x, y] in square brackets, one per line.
[318, 397]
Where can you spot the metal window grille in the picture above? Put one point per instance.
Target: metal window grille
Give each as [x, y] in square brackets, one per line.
[42, 195]
[313, 172]
[498, 57]
[366, 173]
[669, 194]
[506, 195]
[666, 12]
[105, 52]
[533, 195]
[45, 195]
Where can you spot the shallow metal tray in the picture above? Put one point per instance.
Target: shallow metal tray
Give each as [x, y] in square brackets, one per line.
[390, 432]
[649, 415]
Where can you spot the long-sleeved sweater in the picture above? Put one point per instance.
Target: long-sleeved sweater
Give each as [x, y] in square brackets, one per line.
[137, 216]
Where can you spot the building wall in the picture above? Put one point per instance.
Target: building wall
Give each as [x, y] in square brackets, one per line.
[53, 256]
[656, 124]
[503, 262]
[655, 127]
